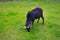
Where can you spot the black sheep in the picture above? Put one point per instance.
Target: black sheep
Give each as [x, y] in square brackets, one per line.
[32, 15]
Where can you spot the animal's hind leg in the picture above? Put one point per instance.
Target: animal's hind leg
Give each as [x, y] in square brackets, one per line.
[42, 20]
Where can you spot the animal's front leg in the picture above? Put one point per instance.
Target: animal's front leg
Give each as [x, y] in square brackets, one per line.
[42, 20]
[38, 20]
[32, 23]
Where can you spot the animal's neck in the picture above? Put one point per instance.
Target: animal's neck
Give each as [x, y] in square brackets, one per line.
[28, 22]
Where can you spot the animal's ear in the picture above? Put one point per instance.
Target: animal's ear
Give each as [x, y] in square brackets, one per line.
[24, 27]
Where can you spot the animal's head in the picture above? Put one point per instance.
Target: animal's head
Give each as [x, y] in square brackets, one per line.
[27, 25]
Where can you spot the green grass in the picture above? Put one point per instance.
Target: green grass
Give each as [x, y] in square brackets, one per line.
[13, 18]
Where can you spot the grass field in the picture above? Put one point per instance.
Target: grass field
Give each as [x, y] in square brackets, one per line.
[13, 18]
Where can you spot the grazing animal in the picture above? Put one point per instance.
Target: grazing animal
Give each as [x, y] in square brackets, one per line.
[32, 15]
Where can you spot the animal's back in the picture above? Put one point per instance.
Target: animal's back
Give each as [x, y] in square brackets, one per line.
[34, 14]
[37, 12]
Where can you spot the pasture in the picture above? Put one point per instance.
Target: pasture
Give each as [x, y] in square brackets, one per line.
[13, 18]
